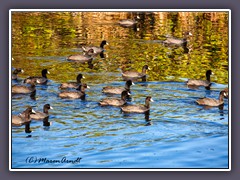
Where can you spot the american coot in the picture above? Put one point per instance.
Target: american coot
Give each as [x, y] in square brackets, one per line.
[21, 89]
[115, 101]
[117, 90]
[79, 94]
[72, 84]
[23, 119]
[138, 108]
[95, 48]
[226, 92]
[41, 80]
[15, 73]
[212, 102]
[134, 75]
[88, 57]
[128, 22]
[41, 115]
[178, 41]
[205, 83]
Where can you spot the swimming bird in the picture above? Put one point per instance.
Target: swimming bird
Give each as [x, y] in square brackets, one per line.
[41, 79]
[16, 72]
[178, 41]
[134, 75]
[197, 82]
[95, 48]
[23, 119]
[82, 58]
[72, 84]
[226, 91]
[128, 22]
[212, 102]
[79, 94]
[115, 101]
[117, 90]
[41, 115]
[21, 89]
[138, 108]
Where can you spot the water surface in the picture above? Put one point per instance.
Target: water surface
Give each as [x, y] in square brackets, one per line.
[177, 134]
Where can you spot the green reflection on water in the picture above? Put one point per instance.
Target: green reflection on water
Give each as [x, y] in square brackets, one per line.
[44, 40]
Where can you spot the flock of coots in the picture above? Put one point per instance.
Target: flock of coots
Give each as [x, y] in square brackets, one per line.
[76, 90]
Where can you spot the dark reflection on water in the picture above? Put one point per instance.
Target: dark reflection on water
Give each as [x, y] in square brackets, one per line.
[147, 118]
[175, 133]
[46, 123]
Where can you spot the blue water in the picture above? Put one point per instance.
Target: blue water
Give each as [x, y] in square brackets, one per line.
[178, 134]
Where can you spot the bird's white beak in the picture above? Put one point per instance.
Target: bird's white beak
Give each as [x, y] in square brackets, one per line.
[88, 87]
[151, 100]
[83, 77]
[48, 72]
[51, 107]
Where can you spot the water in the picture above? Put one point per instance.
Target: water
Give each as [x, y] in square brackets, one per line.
[177, 134]
[181, 133]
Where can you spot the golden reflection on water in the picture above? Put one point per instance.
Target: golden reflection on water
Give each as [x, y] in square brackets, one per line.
[45, 39]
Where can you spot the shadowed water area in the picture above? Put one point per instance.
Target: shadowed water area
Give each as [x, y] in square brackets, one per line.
[177, 133]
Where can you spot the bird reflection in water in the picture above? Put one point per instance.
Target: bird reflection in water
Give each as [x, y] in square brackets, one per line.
[149, 122]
